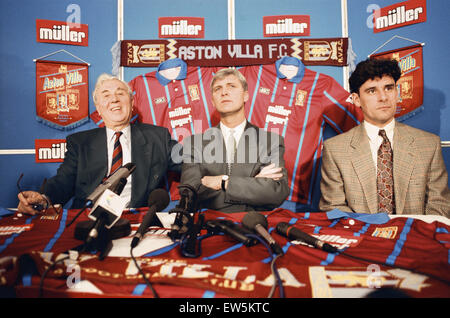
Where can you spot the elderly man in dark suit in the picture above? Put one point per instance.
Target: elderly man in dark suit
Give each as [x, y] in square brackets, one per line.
[383, 165]
[89, 158]
[235, 166]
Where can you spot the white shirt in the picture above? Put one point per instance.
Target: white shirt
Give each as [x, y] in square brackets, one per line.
[125, 142]
[238, 130]
[375, 140]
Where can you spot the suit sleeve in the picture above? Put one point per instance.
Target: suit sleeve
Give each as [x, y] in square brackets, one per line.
[438, 201]
[61, 187]
[191, 171]
[173, 152]
[332, 184]
[264, 193]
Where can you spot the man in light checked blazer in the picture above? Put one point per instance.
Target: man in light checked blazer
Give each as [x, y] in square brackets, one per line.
[349, 162]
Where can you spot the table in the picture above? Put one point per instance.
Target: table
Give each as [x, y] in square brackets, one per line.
[408, 253]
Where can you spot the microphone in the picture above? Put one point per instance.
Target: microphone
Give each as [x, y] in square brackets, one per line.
[187, 205]
[103, 217]
[293, 233]
[230, 228]
[188, 201]
[157, 201]
[258, 223]
[112, 181]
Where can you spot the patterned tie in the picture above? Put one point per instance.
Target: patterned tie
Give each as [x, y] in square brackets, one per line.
[117, 154]
[231, 149]
[385, 177]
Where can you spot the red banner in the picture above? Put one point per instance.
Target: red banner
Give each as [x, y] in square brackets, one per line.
[410, 84]
[50, 150]
[286, 25]
[399, 14]
[181, 27]
[62, 94]
[150, 53]
[49, 31]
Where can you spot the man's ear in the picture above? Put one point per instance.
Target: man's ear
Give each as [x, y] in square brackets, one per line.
[356, 100]
[246, 96]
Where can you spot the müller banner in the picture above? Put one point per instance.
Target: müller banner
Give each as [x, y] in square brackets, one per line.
[410, 84]
[62, 94]
[150, 53]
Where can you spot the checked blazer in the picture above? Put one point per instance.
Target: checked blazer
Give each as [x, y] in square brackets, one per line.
[420, 177]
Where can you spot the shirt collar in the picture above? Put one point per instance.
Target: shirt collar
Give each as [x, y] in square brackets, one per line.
[126, 132]
[372, 130]
[289, 60]
[238, 130]
[171, 64]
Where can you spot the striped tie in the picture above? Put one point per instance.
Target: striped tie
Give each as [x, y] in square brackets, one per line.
[117, 154]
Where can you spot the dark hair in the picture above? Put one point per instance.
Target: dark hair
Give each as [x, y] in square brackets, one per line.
[372, 68]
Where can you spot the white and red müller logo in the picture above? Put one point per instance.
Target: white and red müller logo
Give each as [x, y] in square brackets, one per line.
[50, 150]
[282, 25]
[400, 14]
[181, 27]
[61, 32]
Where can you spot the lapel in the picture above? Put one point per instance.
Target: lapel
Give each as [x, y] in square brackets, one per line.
[404, 160]
[247, 151]
[97, 156]
[141, 155]
[214, 151]
[362, 162]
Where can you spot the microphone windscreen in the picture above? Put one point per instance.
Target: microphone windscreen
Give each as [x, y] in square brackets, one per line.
[282, 228]
[130, 166]
[160, 198]
[251, 219]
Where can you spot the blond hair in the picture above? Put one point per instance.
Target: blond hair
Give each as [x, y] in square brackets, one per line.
[229, 71]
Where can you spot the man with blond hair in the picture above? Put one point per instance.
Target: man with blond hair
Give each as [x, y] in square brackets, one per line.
[235, 166]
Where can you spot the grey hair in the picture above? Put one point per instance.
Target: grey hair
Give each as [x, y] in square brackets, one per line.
[229, 71]
[107, 77]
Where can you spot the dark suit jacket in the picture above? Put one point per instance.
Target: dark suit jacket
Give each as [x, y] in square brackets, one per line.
[420, 177]
[204, 155]
[86, 163]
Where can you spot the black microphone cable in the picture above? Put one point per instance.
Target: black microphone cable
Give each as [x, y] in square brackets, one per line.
[147, 282]
[277, 279]
[87, 205]
[45, 273]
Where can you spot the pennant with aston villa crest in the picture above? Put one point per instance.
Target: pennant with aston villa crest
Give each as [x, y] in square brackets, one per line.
[62, 94]
[410, 84]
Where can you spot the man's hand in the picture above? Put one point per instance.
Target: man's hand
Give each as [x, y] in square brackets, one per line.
[271, 172]
[26, 201]
[213, 182]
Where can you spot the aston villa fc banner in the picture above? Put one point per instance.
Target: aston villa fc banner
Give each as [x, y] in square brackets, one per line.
[62, 94]
[150, 53]
[410, 84]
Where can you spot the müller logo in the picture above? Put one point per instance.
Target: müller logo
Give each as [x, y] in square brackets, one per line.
[61, 32]
[50, 150]
[282, 25]
[400, 14]
[181, 27]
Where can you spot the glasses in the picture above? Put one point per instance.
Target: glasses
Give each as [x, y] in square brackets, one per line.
[37, 206]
